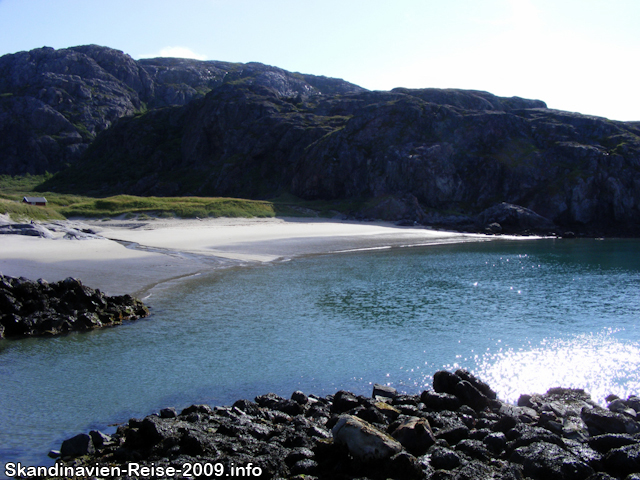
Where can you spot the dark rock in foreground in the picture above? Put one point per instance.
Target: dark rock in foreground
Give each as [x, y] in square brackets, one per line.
[457, 431]
[32, 308]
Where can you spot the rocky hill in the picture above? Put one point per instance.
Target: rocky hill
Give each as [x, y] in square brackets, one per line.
[186, 127]
[53, 103]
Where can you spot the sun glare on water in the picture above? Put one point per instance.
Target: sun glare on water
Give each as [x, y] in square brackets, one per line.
[598, 363]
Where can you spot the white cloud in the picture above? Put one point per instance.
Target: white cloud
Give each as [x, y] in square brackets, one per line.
[176, 52]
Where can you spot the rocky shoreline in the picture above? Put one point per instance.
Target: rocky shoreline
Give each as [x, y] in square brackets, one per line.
[37, 308]
[458, 430]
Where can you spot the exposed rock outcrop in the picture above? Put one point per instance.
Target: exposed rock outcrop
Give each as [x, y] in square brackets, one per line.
[507, 218]
[53, 103]
[34, 308]
[27, 229]
[435, 435]
[70, 230]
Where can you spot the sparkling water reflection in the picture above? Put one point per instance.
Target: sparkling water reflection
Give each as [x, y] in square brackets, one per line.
[597, 362]
[524, 315]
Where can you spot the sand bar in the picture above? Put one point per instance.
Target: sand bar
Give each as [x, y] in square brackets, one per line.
[132, 256]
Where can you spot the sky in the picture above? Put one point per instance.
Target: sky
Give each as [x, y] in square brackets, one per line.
[576, 55]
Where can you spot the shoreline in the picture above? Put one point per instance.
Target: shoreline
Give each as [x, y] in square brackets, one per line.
[458, 428]
[133, 257]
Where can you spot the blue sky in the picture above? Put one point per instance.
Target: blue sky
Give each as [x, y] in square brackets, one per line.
[576, 55]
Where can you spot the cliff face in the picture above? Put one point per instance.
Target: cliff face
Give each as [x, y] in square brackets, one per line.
[184, 127]
[570, 168]
[53, 103]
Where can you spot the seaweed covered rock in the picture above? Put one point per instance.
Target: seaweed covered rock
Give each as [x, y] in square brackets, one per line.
[33, 308]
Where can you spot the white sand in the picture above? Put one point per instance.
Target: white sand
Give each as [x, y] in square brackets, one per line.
[169, 249]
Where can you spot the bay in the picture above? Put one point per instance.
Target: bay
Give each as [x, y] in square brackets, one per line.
[524, 315]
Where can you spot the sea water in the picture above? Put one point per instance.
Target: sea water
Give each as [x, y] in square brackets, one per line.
[524, 315]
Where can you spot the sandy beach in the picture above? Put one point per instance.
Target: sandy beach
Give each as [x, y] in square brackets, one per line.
[132, 256]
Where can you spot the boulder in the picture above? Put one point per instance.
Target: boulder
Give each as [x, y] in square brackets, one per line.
[453, 433]
[442, 458]
[481, 386]
[633, 402]
[406, 466]
[471, 396]
[383, 391]
[99, 439]
[405, 209]
[414, 434]
[465, 386]
[608, 441]
[508, 218]
[344, 401]
[620, 406]
[248, 407]
[602, 421]
[439, 401]
[388, 411]
[299, 397]
[363, 440]
[81, 444]
[495, 442]
[275, 402]
[474, 449]
[168, 412]
[548, 460]
[445, 382]
[624, 460]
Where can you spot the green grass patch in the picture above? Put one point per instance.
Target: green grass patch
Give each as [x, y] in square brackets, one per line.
[14, 188]
[61, 205]
[18, 211]
[182, 207]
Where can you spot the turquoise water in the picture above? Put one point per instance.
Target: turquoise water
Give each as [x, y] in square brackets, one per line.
[525, 315]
